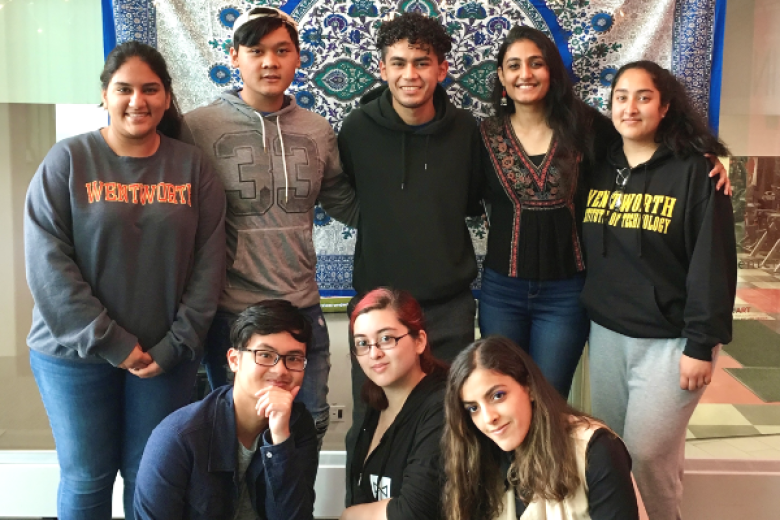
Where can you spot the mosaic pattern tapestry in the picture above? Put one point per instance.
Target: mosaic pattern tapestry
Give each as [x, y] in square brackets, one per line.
[339, 60]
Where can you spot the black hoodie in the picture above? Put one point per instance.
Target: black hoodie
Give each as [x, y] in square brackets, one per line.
[415, 186]
[406, 465]
[663, 264]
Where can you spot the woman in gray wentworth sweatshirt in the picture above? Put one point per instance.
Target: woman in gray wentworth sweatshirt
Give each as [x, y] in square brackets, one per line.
[125, 251]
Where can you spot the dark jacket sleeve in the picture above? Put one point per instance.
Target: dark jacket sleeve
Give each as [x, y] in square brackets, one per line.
[163, 476]
[199, 301]
[711, 284]
[611, 493]
[420, 494]
[337, 194]
[290, 471]
[75, 318]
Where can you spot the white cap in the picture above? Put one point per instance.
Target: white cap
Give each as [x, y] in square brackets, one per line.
[263, 12]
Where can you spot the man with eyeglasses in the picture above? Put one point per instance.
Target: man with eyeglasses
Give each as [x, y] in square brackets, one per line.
[246, 451]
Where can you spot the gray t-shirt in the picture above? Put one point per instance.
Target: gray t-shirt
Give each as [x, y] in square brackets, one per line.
[244, 510]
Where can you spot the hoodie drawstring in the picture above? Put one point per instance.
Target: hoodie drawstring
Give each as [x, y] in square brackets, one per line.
[642, 215]
[616, 207]
[262, 129]
[425, 157]
[284, 156]
[284, 159]
[403, 160]
[404, 168]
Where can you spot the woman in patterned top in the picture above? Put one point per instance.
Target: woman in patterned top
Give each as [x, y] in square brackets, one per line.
[540, 144]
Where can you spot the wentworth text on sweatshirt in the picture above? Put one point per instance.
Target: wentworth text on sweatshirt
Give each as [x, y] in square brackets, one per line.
[123, 251]
[661, 256]
[274, 169]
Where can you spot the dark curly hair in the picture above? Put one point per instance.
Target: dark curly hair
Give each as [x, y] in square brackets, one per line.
[566, 114]
[683, 129]
[417, 29]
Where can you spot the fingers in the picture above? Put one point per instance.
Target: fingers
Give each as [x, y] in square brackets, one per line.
[274, 399]
[151, 370]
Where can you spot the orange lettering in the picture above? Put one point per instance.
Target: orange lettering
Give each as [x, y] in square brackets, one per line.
[94, 190]
[110, 191]
[121, 192]
[147, 193]
[171, 191]
[133, 188]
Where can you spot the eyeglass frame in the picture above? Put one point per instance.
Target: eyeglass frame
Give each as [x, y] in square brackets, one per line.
[376, 345]
[283, 357]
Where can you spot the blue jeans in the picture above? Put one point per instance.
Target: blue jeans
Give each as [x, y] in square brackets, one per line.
[101, 417]
[544, 318]
[314, 391]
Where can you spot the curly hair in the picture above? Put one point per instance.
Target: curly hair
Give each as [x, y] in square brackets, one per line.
[565, 113]
[423, 31]
[683, 129]
[410, 314]
[544, 464]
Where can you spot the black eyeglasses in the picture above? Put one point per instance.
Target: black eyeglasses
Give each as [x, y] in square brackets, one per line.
[385, 342]
[269, 358]
[621, 180]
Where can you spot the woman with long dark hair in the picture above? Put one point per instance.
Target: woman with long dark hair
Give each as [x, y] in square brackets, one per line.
[540, 144]
[125, 253]
[393, 467]
[514, 448]
[661, 276]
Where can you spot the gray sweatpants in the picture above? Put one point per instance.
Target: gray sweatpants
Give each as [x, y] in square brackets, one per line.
[635, 389]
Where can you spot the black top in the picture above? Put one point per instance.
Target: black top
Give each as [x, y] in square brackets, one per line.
[535, 217]
[415, 186]
[406, 464]
[662, 262]
[611, 493]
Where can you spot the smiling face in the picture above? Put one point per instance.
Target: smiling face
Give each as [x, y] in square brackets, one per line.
[524, 73]
[636, 107]
[499, 406]
[398, 366]
[412, 73]
[136, 101]
[251, 377]
[267, 68]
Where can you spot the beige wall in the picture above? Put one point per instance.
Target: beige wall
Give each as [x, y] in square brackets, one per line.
[750, 101]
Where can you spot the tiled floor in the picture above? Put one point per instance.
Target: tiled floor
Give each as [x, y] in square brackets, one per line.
[731, 422]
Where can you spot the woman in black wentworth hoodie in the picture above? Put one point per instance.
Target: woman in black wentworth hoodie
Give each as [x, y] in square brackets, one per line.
[661, 260]
[393, 467]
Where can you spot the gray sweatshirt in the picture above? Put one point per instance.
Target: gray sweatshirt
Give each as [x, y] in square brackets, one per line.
[123, 251]
[270, 195]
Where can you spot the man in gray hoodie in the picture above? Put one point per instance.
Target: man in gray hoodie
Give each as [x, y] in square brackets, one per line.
[275, 160]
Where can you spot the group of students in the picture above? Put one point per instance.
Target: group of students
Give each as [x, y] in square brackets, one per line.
[120, 327]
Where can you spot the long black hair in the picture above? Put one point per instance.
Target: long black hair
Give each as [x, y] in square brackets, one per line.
[683, 129]
[565, 113]
[170, 124]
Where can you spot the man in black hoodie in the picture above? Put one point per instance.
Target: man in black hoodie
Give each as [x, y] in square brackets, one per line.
[414, 160]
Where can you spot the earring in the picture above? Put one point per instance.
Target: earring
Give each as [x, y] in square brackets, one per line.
[503, 101]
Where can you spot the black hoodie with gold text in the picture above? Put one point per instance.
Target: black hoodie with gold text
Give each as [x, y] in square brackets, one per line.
[660, 253]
